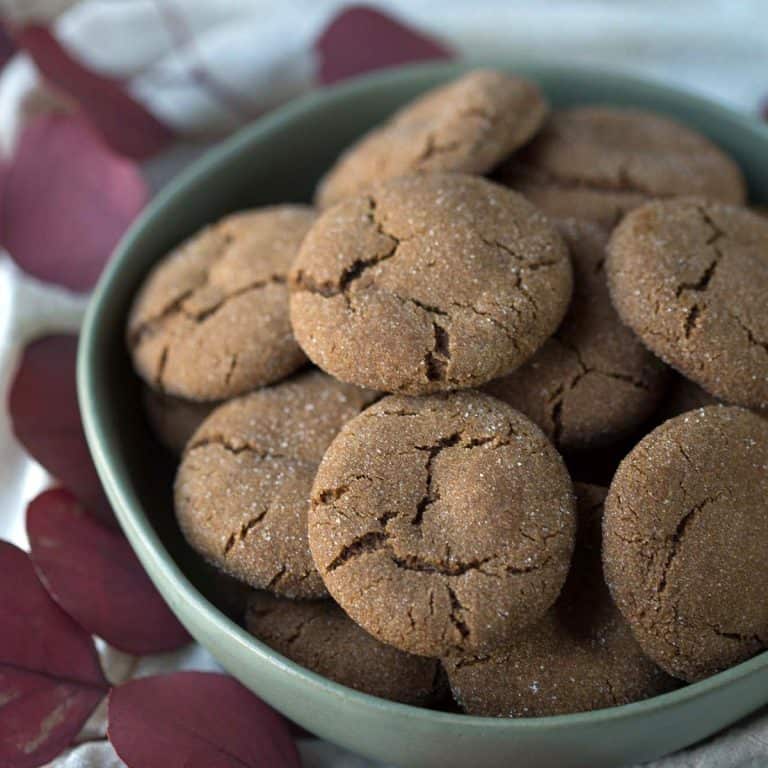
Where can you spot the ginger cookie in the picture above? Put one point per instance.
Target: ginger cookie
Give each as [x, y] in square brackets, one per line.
[211, 320]
[690, 277]
[173, 419]
[686, 540]
[318, 635]
[243, 486]
[428, 283]
[601, 162]
[468, 125]
[593, 382]
[580, 657]
[442, 524]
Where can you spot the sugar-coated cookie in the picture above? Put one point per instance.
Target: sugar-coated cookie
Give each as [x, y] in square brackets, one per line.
[442, 524]
[318, 635]
[243, 486]
[600, 162]
[593, 382]
[211, 320]
[581, 656]
[686, 540]
[428, 283]
[468, 125]
[690, 277]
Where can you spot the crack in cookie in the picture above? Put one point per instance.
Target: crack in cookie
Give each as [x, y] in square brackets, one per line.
[591, 358]
[245, 477]
[467, 297]
[599, 163]
[448, 506]
[318, 635]
[211, 320]
[690, 276]
[467, 125]
[685, 520]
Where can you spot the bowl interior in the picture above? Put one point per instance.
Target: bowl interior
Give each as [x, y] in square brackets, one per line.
[279, 159]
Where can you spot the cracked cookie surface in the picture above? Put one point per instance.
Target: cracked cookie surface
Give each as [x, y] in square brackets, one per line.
[442, 524]
[318, 635]
[468, 125]
[690, 277]
[685, 540]
[581, 656]
[428, 283]
[211, 319]
[598, 163]
[592, 358]
[242, 489]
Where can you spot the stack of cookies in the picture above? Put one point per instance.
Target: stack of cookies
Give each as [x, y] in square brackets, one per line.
[500, 303]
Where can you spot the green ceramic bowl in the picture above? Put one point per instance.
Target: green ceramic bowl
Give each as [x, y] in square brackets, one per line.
[279, 158]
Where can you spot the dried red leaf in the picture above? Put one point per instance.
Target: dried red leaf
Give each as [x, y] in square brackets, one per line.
[362, 39]
[67, 200]
[126, 125]
[165, 722]
[46, 418]
[50, 678]
[93, 574]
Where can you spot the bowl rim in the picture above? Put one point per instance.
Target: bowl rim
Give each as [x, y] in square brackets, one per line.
[133, 517]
